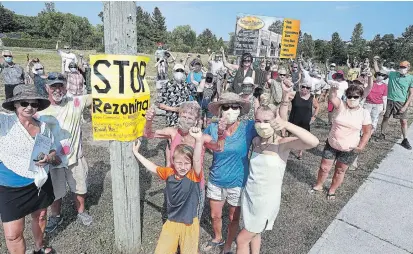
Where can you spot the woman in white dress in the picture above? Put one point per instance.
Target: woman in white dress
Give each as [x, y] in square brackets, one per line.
[262, 194]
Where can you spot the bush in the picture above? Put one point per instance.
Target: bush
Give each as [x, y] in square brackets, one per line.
[29, 43]
[40, 43]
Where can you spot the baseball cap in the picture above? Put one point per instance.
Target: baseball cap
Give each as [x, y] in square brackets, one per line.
[55, 78]
[179, 66]
[333, 64]
[404, 64]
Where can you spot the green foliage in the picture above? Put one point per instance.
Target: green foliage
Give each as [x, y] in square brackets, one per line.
[306, 46]
[358, 47]
[182, 39]
[338, 50]
[322, 50]
[7, 21]
[158, 26]
[28, 43]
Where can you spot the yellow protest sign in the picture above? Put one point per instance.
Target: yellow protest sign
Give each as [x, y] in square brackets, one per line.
[120, 96]
[289, 41]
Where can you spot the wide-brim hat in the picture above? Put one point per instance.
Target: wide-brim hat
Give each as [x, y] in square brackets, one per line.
[26, 92]
[6, 52]
[229, 98]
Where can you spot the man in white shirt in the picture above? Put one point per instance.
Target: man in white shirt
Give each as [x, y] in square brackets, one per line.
[67, 58]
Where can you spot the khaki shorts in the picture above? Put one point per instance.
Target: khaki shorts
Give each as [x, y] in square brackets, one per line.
[231, 195]
[75, 176]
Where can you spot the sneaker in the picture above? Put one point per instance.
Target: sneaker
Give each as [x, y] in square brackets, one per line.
[52, 223]
[405, 143]
[85, 218]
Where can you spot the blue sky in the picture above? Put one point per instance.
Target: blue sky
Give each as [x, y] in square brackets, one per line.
[320, 19]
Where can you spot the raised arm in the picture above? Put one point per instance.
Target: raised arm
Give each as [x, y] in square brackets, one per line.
[196, 133]
[149, 165]
[217, 146]
[348, 61]
[367, 89]
[232, 67]
[376, 65]
[332, 96]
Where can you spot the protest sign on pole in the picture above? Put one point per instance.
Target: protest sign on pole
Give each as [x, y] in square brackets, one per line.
[120, 96]
[291, 32]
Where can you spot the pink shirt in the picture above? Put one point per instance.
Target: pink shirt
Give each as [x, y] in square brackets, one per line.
[377, 93]
[347, 125]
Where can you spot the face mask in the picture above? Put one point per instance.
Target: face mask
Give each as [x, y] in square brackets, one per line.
[40, 177]
[208, 80]
[353, 103]
[8, 59]
[231, 115]
[403, 71]
[267, 68]
[185, 124]
[247, 89]
[73, 70]
[379, 78]
[264, 130]
[179, 77]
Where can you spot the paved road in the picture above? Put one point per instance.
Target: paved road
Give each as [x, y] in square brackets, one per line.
[379, 217]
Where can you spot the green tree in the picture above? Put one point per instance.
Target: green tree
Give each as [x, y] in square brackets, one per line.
[182, 38]
[231, 44]
[7, 22]
[338, 50]
[357, 47]
[158, 26]
[276, 27]
[306, 46]
[206, 40]
[144, 31]
[49, 7]
[322, 50]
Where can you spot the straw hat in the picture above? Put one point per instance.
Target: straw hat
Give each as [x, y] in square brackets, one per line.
[229, 98]
[26, 92]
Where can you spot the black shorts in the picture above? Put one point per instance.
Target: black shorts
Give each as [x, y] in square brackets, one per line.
[17, 203]
[330, 153]
[393, 108]
[8, 90]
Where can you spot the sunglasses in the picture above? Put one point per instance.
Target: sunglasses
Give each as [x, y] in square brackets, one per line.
[402, 67]
[232, 106]
[282, 75]
[381, 74]
[8, 56]
[247, 61]
[306, 87]
[39, 69]
[180, 70]
[353, 97]
[25, 104]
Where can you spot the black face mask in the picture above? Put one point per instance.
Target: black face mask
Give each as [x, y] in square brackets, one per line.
[267, 68]
[208, 80]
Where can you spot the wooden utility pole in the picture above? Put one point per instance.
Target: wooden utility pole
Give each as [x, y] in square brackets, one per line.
[121, 39]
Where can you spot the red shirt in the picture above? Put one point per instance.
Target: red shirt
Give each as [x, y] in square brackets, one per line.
[377, 93]
[274, 74]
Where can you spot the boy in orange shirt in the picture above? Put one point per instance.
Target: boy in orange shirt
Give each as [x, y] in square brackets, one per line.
[182, 193]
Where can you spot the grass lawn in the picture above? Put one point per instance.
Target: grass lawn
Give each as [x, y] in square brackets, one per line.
[301, 221]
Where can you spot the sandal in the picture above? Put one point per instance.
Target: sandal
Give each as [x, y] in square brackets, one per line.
[212, 245]
[43, 251]
[331, 196]
[313, 191]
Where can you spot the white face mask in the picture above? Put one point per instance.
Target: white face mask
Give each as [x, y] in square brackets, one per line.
[179, 77]
[403, 71]
[379, 79]
[353, 103]
[40, 177]
[264, 130]
[231, 115]
[73, 70]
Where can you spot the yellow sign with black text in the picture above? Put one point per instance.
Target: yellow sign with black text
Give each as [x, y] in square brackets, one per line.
[120, 95]
[289, 41]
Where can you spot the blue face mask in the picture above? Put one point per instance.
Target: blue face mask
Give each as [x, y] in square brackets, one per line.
[8, 59]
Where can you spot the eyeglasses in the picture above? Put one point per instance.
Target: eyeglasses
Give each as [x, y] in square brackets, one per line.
[25, 104]
[232, 106]
[353, 97]
[306, 87]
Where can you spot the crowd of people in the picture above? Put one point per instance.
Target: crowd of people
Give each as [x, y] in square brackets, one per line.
[250, 114]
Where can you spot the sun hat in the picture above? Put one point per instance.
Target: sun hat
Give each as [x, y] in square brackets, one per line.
[6, 52]
[404, 64]
[337, 73]
[178, 66]
[248, 81]
[282, 71]
[383, 71]
[55, 78]
[229, 98]
[26, 92]
[333, 64]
